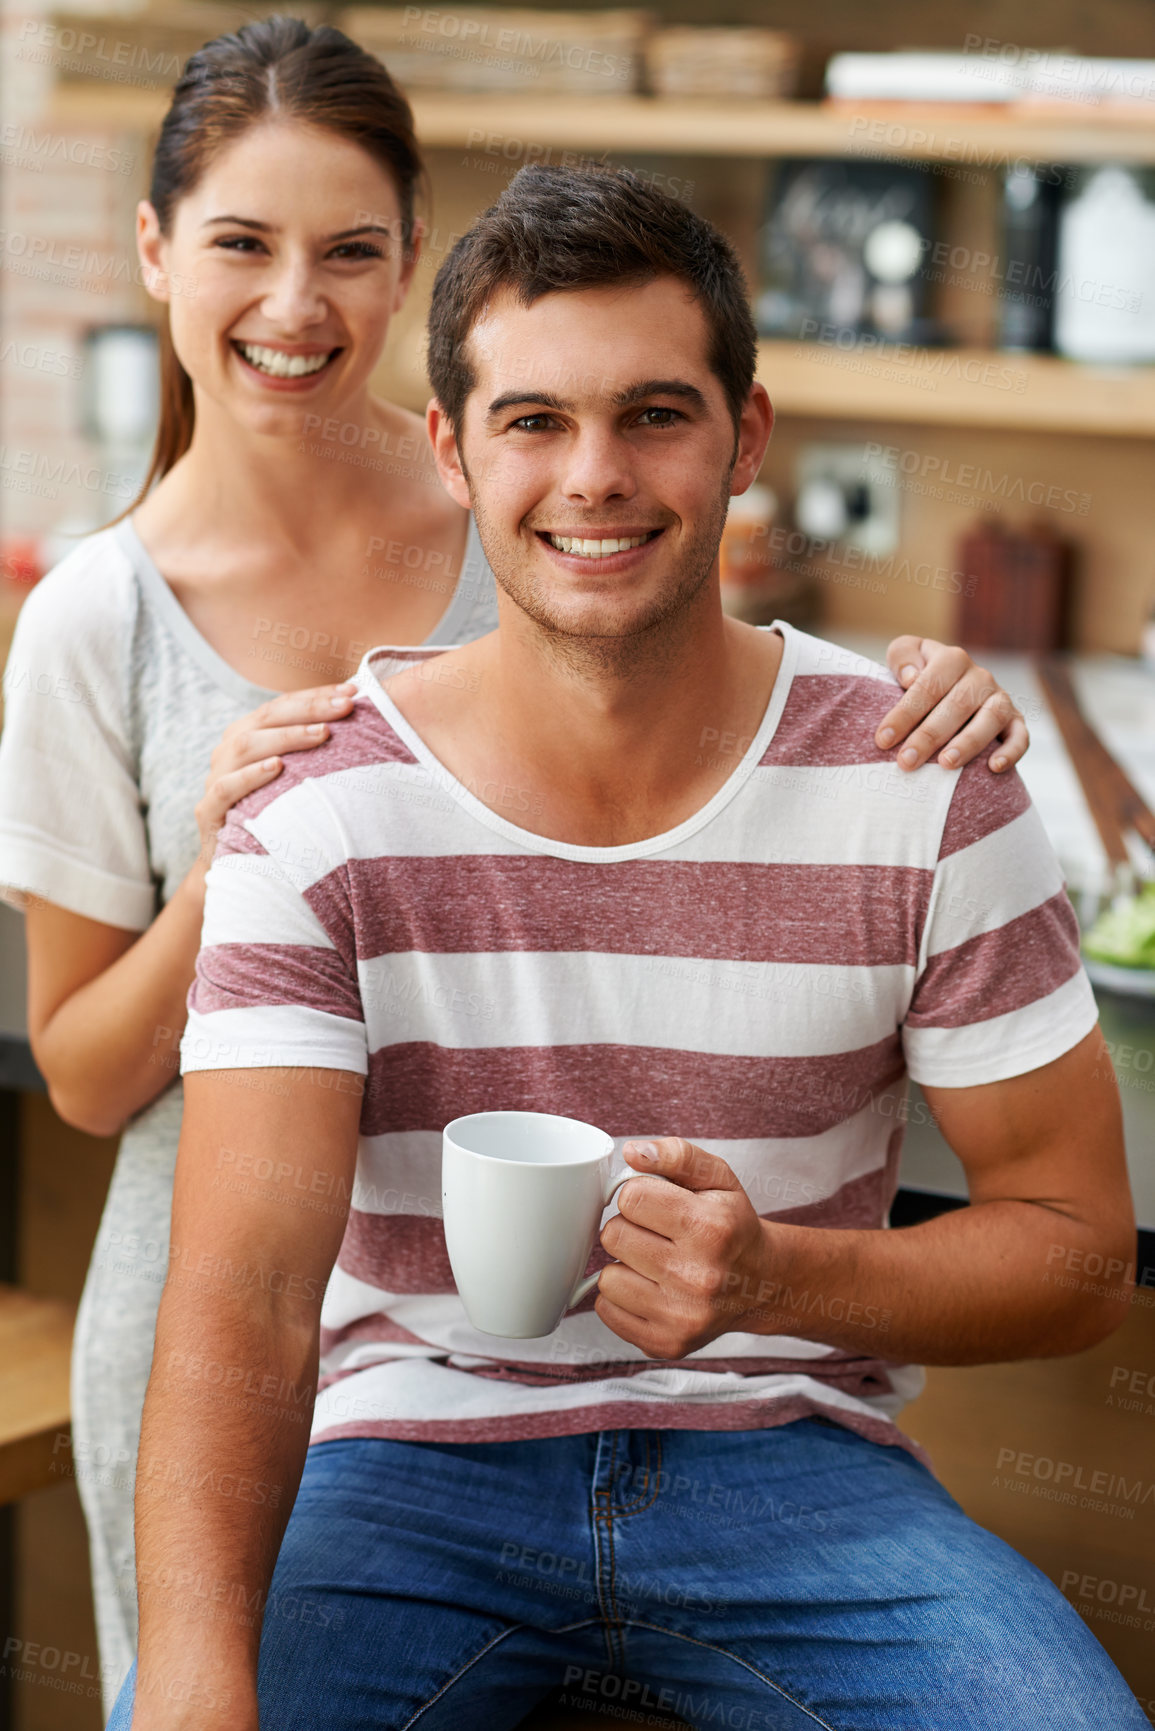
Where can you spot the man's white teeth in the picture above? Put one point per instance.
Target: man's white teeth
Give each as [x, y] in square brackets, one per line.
[595, 549]
[280, 365]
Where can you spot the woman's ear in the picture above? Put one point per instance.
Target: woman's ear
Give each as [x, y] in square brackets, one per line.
[409, 256]
[152, 250]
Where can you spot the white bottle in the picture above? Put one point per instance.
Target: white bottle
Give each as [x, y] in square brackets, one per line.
[1105, 288]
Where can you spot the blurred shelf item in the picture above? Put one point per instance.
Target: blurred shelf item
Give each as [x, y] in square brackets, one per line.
[498, 48]
[35, 1348]
[699, 126]
[958, 388]
[725, 62]
[1051, 78]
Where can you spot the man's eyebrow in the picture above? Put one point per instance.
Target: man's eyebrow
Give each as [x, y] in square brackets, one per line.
[542, 399]
[660, 388]
[621, 399]
[270, 228]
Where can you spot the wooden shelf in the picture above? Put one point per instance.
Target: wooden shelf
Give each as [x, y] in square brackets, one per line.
[958, 388]
[972, 136]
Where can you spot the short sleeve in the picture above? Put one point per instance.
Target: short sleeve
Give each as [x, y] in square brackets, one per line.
[276, 978]
[72, 827]
[1000, 988]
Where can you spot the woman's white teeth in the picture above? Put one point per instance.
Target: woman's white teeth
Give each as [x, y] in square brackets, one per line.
[280, 365]
[595, 549]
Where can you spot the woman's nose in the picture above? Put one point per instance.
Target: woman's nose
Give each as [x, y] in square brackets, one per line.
[293, 299]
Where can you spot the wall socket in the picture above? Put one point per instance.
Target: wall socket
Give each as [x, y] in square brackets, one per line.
[846, 494]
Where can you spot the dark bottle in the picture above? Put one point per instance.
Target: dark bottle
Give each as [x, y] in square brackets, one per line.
[1027, 286]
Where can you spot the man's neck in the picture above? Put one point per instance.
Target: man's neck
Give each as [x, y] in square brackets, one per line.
[588, 741]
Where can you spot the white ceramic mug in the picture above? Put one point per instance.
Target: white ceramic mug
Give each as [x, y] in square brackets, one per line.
[522, 1195]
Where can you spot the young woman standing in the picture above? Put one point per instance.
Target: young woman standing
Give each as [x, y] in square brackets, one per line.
[280, 230]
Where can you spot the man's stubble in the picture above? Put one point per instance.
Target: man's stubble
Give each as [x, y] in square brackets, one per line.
[648, 639]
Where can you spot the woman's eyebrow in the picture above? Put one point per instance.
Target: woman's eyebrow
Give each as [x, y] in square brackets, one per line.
[271, 228]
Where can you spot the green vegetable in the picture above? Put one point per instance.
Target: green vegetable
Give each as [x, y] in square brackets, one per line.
[1125, 933]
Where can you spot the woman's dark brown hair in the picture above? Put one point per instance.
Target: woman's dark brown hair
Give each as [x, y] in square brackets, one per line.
[282, 67]
[572, 228]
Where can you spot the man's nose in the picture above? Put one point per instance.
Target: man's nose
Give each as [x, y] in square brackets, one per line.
[598, 467]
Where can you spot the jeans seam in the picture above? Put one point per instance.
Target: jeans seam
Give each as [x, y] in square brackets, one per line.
[612, 1622]
[647, 1498]
[712, 1647]
[565, 1629]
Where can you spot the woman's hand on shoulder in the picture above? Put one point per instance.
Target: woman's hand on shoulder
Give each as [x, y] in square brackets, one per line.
[954, 707]
[251, 750]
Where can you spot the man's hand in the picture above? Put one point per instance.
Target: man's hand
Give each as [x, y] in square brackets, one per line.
[956, 701]
[683, 1239]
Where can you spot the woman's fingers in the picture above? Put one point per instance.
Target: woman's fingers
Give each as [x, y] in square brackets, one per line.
[258, 743]
[944, 669]
[294, 708]
[224, 791]
[905, 658]
[963, 724]
[1014, 743]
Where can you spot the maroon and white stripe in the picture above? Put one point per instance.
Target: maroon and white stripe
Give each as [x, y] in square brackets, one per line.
[760, 980]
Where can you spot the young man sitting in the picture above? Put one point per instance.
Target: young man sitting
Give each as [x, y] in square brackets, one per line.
[627, 860]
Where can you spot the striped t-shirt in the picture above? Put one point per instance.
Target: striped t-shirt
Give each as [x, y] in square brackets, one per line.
[760, 979]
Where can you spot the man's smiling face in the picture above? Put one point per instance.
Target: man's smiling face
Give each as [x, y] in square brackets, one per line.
[595, 419]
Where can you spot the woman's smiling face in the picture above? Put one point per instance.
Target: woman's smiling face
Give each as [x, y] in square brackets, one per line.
[286, 264]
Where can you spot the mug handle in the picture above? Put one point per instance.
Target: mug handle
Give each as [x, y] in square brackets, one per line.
[587, 1283]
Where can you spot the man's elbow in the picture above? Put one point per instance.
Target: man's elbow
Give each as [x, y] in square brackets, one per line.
[1100, 1285]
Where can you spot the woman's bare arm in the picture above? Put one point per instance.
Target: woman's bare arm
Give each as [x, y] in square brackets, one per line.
[106, 1006]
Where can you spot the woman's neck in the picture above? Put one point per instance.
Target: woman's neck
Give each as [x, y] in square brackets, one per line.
[291, 490]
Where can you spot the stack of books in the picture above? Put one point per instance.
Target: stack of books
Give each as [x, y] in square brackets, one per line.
[685, 61]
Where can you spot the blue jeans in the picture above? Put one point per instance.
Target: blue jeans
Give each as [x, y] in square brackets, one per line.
[768, 1580]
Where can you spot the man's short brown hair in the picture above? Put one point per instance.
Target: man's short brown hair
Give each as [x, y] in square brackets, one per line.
[573, 228]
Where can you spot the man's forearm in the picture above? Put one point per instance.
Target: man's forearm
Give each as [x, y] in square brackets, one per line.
[226, 1427]
[976, 1285]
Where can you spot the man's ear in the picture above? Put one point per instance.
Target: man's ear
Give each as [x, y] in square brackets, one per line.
[443, 439]
[755, 425]
[152, 250]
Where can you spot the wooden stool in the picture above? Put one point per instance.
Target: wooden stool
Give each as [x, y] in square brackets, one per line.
[35, 1351]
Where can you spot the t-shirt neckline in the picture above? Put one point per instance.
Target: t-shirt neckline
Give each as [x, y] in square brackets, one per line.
[221, 672]
[369, 683]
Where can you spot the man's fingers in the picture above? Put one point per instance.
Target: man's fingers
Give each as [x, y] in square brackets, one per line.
[680, 1161]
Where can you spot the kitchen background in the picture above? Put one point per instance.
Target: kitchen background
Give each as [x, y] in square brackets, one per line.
[948, 225]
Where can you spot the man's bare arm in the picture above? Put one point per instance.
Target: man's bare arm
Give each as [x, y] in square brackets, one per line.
[263, 1179]
[1049, 1193]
